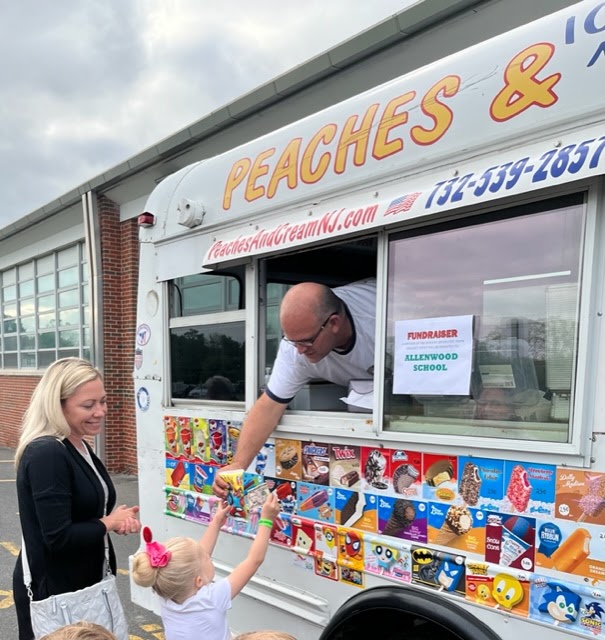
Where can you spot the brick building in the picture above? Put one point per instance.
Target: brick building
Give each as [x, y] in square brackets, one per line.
[69, 270]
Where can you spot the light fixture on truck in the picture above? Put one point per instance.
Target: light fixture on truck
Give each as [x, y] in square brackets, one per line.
[191, 214]
[146, 219]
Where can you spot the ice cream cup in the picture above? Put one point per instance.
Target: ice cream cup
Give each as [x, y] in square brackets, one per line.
[512, 547]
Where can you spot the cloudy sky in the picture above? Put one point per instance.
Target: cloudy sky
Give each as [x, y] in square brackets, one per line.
[93, 82]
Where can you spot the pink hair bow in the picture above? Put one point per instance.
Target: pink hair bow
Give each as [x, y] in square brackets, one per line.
[157, 552]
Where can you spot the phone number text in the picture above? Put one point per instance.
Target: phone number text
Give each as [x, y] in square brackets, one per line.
[554, 163]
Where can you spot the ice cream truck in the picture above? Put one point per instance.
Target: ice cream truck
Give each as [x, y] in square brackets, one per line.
[458, 489]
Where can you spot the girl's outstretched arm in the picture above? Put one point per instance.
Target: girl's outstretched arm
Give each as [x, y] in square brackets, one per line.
[240, 576]
[208, 540]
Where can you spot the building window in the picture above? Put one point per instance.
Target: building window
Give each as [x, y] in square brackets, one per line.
[501, 294]
[207, 338]
[44, 310]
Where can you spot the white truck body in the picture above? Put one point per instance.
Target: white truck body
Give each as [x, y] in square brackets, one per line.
[501, 145]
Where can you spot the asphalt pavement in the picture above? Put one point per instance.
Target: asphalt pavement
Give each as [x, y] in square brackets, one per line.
[143, 624]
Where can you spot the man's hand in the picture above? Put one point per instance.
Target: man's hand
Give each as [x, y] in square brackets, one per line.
[219, 486]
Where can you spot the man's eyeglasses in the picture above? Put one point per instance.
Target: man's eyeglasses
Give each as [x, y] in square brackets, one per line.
[310, 341]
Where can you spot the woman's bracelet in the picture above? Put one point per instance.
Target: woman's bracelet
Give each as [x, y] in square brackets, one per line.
[265, 522]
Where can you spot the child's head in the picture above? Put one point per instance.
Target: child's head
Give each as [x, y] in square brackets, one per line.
[188, 568]
[264, 635]
[81, 631]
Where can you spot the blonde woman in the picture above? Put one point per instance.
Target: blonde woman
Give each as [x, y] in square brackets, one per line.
[66, 497]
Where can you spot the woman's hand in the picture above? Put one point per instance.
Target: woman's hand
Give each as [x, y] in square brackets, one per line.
[123, 520]
[132, 525]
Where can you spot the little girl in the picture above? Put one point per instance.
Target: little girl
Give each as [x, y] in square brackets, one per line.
[181, 573]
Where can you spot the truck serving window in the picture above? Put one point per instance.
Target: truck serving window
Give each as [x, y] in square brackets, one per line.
[482, 324]
[207, 337]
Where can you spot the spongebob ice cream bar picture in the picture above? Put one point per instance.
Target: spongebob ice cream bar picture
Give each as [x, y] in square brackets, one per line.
[446, 465]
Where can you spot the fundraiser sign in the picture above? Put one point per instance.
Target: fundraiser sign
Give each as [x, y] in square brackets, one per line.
[433, 356]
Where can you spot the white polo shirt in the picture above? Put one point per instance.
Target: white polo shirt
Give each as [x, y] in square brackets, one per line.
[291, 370]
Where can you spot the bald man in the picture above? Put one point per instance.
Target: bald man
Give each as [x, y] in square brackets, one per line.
[328, 335]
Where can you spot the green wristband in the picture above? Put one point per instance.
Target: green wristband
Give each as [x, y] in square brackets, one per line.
[266, 523]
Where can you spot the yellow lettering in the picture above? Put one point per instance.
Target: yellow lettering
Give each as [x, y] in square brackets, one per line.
[357, 137]
[522, 89]
[236, 175]
[253, 192]
[307, 174]
[391, 119]
[441, 115]
[286, 167]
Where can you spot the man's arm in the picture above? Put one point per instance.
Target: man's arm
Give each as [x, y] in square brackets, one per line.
[264, 416]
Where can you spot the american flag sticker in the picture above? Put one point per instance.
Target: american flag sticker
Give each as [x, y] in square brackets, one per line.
[403, 203]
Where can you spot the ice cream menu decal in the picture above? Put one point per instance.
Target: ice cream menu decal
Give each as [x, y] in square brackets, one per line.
[433, 356]
[524, 538]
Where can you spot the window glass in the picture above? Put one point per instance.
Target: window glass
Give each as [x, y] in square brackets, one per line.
[68, 298]
[69, 353]
[10, 361]
[46, 283]
[67, 257]
[233, 291]
[86, 337]
[47, 320]
[208, 362]
[46, 303]
[26, 307]
[84, 271]
[46, 357]
[9, 277]
[69, 318]
[45, 264]
[47, 340]
[69, 338]
[9, 293]
[68, 277]
[26, 288]
[275, 293]
[27, 341]
[517, 281]
[35, 317]
[9, 318]
[28, 360]
[204, 293]
[26, 271]
[28, 324]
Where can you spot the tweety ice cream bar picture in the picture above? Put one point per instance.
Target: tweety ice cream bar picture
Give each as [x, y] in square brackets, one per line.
[235, 492]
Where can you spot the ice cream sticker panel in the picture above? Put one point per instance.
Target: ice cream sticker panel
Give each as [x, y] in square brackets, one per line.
[524, 539]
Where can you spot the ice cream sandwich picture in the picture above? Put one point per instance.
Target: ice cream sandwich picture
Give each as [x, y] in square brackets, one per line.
[288, 459]
[440, 477]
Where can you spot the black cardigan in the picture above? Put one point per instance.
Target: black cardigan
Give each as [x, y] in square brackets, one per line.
[60, 505]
